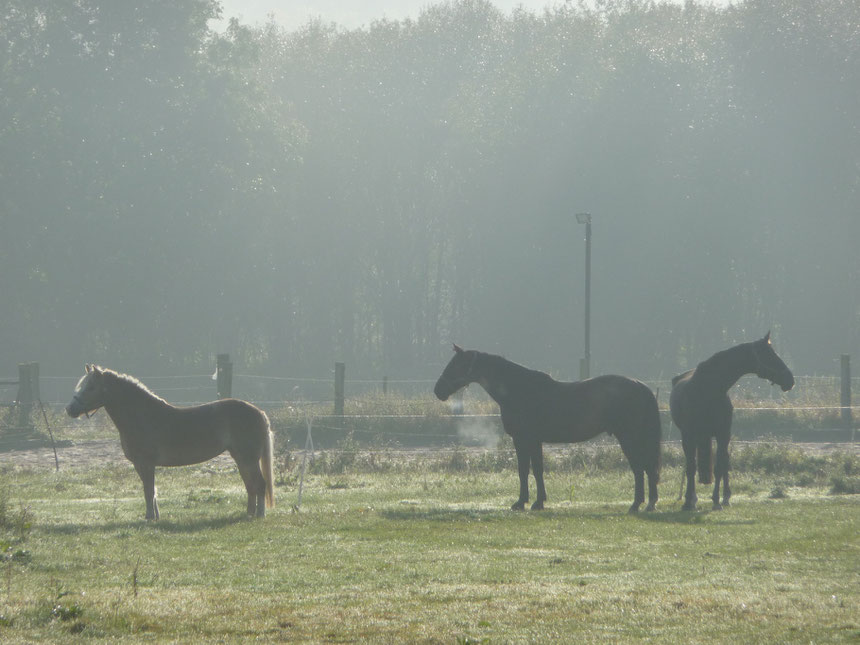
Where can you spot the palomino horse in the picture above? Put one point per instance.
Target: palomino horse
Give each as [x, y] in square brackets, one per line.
[155, 433]
[702, 410]
[536, 408]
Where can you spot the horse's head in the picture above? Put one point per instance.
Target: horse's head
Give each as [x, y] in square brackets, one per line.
[769, 366]
[89, 393]
[457, 374]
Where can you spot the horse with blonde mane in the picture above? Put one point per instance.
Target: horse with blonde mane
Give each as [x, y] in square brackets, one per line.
[155, 433]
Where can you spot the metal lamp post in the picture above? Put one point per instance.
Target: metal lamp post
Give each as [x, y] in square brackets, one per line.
[585, 364]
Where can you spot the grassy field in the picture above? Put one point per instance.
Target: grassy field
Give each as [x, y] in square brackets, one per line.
[410, 551]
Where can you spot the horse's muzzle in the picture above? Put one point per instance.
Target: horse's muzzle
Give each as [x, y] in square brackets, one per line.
[76, 408]
[440, 392]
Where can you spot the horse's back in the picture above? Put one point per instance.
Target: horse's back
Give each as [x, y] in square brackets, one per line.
[677, 398]
[241, 413]
[684, 377]
[198, 433]
[577, 411]
[626, 402]
[612, 391]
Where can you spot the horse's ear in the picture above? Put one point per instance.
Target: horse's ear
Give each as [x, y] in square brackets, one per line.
[96, 368]
[458, 349]
[767, 337]
[88, 368]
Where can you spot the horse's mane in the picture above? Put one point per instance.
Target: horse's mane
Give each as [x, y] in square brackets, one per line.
[515, 369]
[718, 358]
[675, 379]
[706, 368]
[131, 382]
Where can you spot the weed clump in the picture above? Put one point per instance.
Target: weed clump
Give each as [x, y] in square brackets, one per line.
[778, 492]
[845, 477]
[841, 485]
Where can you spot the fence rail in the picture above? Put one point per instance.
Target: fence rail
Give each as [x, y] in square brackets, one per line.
[311, 395]
[388, 433]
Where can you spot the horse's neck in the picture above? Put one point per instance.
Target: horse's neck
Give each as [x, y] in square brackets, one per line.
[130, 401]
[501, 378]
[722, 370]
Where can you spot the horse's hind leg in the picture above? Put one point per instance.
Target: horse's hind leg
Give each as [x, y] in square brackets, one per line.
[653, 477]
[639, 495]
[690, 497]
[721, 473]
[630, 451]
[537, 469]
[255, 485]
[147, 477]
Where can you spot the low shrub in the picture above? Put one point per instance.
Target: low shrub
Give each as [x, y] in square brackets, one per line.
[775, 457]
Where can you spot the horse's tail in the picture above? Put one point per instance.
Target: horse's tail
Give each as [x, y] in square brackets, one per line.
[705, 459]
[266, 465]
[655, 441]
[645, 436]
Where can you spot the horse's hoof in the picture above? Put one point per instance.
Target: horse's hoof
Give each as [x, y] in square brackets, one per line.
[633, 510]
[726, 503]
[518, 506]
[689, 507]
[537, 506]
[717, 506]
[650, 508]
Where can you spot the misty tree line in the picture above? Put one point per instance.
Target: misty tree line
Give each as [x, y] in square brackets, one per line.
[299, 197]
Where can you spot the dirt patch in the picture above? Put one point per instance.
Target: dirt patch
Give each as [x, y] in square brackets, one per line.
[83, 454]
[86, 454]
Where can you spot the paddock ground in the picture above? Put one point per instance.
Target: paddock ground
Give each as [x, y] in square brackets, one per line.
[86, 454]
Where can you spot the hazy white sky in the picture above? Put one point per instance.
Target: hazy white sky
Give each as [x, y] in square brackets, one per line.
[350, 13]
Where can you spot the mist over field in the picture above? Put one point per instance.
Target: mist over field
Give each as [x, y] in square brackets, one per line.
[302, 195]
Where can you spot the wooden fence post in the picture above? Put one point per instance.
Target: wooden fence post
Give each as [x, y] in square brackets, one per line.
[224, 376]
[28, 392]
[845, 393]
[339, 377]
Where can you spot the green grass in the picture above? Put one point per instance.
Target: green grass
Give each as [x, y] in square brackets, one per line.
[427, 552]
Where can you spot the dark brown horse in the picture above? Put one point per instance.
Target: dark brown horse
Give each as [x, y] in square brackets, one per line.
[155, 433]
[702, 410]
[536, 408]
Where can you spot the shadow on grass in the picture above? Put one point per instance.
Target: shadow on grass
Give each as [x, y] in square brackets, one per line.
[163, 525]
[440, 514]
[454, 514]
[690, 517]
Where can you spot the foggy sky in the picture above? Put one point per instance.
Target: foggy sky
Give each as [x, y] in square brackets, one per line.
[296, 198]
[352, 14]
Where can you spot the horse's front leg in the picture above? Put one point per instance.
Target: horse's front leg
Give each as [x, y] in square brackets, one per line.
[537, 469]
[146, 471]
[523, 461]
[727, 493]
